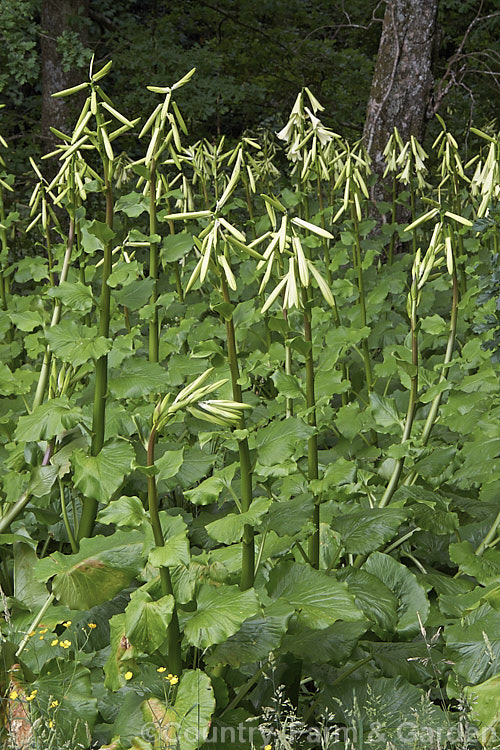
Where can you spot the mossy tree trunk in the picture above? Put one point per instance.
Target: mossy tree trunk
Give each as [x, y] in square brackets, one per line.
[402, 80]
[57, 18]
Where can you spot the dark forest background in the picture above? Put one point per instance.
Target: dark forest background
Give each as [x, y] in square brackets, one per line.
[251, 59]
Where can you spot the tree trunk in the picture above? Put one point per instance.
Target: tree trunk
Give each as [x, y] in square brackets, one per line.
[402, 79]
[57, 17]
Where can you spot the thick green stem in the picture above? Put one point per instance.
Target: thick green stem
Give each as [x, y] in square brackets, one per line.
[89, 510]
[56, 314]
[153, 266]
[34, 623]
[4, 253]
[173, 631]
[48, 245]
[433, 411]
[23, 501]
[413, 217]
[362, 303]
[490, 536]
[393, 219]
[288, 371]
[312, 443]
[175, 264]
[410, 414]
[67, 525]
[248, 547]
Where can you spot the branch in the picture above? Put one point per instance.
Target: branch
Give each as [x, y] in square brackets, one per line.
[449, 78]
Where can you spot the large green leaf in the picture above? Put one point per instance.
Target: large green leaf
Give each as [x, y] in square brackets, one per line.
[474, 644]
[486, 569]
[146, 620]
[175, 550]
[195, 465]
[278, 441]
[389, 713]
[230, 528]
[366, 530]
[137, 377]
[100, 476]
[334, 646]
[485, 709]
[132, 204]
[74, 295]
[76, 343]
[220, 611]
[374, 598]
[48, 420]
[209, 490]
[126, 512]
[413, 602]
[27, 589]
[175, 246]
[384, 412]
[319, 599]
[169, 463]
[121, 657]
[104, 566]
[257, 637]
[68, 683]
[101, 230]
[288, 517]
[18, 382]
[185, 724]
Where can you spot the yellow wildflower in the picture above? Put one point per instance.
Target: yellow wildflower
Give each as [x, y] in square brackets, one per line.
[54, 642]
[54, 704]
[173, 679]
[13, 695]
[51, 724]
[161, 669]
[41, 638]
[31, 633]
[92, 625]
[65, 644]
[31, 695]
[66, 624]
[128, 675]
[268, 747]
[45, 630]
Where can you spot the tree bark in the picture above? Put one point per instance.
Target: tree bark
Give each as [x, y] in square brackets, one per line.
[402, 79]
[57, 17]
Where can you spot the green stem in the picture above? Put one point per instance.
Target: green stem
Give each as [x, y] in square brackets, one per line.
[48, 245]
[346, 673]
[248, 547]
[393, 219]
[244, 690]
[312, 443]
[412, 405]
[56, 314]
[175, 264]
[89, 510]
[69, 532]
[288, 371]
[413, 217]
[153, 266]
[173, 631]
[23, 501]
[433, 411]
[489, 536]
[34, 623]
[362, 302]
[326, 252]
[4, 252]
